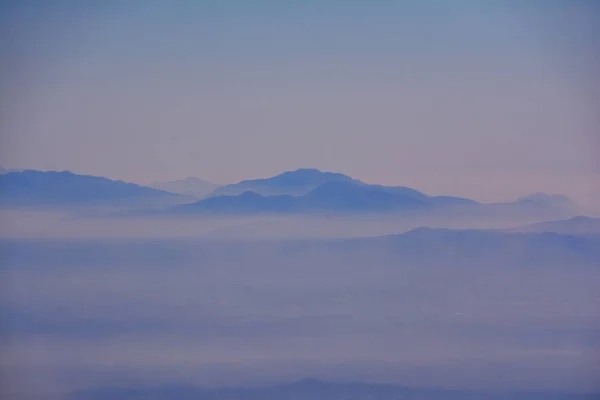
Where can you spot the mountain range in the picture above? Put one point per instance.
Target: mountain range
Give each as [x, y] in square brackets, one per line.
[293, 183]
[313, 390]
[313, 191]
[421, 247]
[310, 190]
[334, 196]
[484, 247]
[53, 188]
[294, 192]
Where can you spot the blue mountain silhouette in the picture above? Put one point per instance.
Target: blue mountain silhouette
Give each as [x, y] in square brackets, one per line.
[330, 192]
[296, 183]
[578, 225]
[32, 187]
[314, 390]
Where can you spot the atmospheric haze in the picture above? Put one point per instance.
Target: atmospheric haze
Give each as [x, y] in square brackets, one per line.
[299, 200]
[98, 303]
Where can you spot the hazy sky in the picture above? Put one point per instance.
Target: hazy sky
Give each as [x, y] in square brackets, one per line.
[490, 99]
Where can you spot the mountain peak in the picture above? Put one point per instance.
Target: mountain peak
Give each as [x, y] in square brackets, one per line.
[540, 197]
[305, 176]
[296, 183]
[305, 170]
[553, 201]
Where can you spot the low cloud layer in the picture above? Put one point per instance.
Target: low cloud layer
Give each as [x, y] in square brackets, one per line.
[89, 313]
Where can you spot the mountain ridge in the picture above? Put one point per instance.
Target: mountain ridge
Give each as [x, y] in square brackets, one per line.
[317, 390]
[297, 182]
[578, 225]
[300, 191]
[56, 188]
[329, 192]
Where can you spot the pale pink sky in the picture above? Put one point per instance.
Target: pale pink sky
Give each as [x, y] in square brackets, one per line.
[480, 100]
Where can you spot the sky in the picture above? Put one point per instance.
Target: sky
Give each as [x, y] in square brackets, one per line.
[486, 99]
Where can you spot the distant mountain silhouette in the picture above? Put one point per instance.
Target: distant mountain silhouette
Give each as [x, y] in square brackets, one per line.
[548, 201]
[330, 197]
[247, 202]
[189, 187]
[300, 191]
[540, 205]
[40, 188]
[295, 183]
[421, 247]
[335, 193]
[352, 197]
[574, 226]
[481, 248]
[313, 390]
